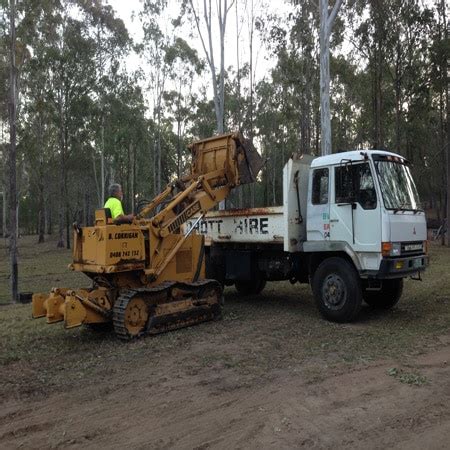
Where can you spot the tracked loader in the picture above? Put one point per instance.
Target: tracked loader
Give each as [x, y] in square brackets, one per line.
[149, 276]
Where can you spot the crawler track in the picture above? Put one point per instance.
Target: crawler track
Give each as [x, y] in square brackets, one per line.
[168, 306]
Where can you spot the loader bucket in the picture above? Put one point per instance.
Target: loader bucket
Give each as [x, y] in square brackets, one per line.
[231, 152]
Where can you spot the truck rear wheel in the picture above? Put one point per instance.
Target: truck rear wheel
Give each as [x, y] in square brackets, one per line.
[253, 287]
[337, 290]
[387, 297]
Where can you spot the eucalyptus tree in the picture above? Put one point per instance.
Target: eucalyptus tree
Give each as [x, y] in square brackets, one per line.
[154, 46]
[203, 17]
[64, 68]
[112, 44]
[127, 137]
[295, 75]
[185, 66]
[73, 76]
[38, 136]
[202, 123]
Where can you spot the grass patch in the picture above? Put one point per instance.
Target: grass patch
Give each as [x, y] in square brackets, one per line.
[41, 267]
[411, 378]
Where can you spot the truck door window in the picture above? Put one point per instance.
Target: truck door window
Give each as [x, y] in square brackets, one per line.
[320, 187]
[354, 183]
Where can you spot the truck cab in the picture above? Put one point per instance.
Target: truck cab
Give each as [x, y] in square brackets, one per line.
[366, 204]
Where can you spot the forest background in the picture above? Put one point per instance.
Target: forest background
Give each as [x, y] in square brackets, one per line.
[87, 117]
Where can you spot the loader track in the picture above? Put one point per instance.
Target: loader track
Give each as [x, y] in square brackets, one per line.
[131, 320]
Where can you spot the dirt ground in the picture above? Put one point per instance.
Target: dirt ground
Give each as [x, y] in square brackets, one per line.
[165, 408]
[271, 374]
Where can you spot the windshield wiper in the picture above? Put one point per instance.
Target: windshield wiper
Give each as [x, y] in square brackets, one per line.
[402, 208]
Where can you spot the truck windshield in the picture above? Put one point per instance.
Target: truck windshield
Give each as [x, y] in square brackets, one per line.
[397, 185]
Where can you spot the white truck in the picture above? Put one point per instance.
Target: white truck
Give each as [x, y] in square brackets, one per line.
[351, 225]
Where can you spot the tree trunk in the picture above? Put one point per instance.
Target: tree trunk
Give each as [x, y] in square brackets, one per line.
[325, 120]
[379, 97]
[398, 98]
[326, 25]
[41, 223]
[40, 186]
[153, 157]
[68, 221]
[62, 175]
[274, 191]
[158, 160]
[49, 221]
[13, 222]
[238, 80]
[4, 202]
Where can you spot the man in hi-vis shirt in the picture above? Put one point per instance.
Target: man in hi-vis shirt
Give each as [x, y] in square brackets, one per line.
[114, 203]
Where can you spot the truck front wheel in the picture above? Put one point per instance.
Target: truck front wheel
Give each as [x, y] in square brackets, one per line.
[387, 297]
[337, 290]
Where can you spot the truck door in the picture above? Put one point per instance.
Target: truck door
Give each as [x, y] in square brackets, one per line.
[318, 226]
[354, 209]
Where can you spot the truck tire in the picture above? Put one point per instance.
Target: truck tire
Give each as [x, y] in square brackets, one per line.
[337, 290]
[387, 297]
[250, 287]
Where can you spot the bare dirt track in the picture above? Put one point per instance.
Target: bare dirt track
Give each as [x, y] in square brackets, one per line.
[211, 408]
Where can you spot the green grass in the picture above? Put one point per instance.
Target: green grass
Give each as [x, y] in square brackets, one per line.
[278, 330]
[41, 267]
[410, 378]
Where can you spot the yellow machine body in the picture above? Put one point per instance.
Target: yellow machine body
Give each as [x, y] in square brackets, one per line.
[149, 276]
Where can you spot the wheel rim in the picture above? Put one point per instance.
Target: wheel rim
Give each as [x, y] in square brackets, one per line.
[136, 316]
[334, 292]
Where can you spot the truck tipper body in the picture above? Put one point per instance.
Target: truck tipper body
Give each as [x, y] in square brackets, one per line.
[351, 225]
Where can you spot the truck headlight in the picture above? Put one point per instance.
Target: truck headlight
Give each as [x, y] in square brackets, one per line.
[396, 249]
[391, 248]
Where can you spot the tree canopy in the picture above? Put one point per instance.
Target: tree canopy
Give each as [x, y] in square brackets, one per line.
[87, 118]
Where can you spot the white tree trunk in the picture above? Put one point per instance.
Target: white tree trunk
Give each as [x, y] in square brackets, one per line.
[326, 25]
[218, 85]
[325, 118]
